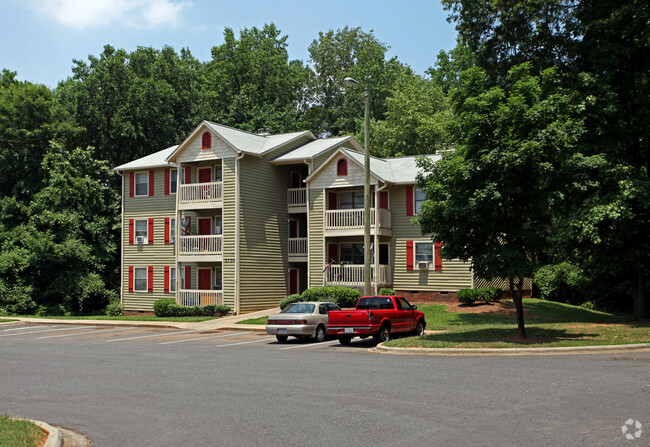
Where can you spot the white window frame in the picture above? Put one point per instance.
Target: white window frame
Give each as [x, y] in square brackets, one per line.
[172, 230]
[418, 203]
[354, 195]
[415, 254]
[172, 279]
[146, 230]
[136, 183]
[136, 279]
[173, 181]
[183, 278]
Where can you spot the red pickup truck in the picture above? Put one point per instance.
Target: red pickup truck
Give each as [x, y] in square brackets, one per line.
[379, 316]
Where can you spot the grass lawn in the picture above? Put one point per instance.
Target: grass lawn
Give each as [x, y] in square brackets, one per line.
[129, 318]
[5, 320]
[548, 324]
[260, 320]
[17, 433]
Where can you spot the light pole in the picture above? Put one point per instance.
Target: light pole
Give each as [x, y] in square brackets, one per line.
[366, 189]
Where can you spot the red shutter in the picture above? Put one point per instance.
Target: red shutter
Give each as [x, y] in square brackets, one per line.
[150, 279]
[331, 200]
[437, 255]
[151, 182]
[166, 285]
[130, 278]
[166, 230]
[409, 255]
[409, 200]
[383, 199]
[167, 181]
[131, 230]
[188, 277]
[188, 176]
[131, 184]
[150, 233]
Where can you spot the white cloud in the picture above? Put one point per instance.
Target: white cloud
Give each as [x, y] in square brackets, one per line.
[83, 14]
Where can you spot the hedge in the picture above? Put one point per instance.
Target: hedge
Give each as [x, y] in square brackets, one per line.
[167, 307]
[470, 296]
[343, 296]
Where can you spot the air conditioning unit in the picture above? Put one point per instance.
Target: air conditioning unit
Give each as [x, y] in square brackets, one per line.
[423, 265]
[139, 239]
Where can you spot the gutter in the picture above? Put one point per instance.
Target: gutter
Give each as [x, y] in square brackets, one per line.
[237, 233]
[310, 166]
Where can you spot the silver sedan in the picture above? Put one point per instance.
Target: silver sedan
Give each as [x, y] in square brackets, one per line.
[302, 320]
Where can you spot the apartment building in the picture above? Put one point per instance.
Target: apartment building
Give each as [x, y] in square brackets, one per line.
[242, 219]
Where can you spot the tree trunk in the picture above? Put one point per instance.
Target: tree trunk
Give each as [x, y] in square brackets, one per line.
[639, 291]
[516, 295]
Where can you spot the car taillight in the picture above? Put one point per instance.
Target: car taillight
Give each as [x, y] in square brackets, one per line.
[285, 322]
[371, 316]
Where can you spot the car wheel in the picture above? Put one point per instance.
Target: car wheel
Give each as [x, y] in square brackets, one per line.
[282, 338]
[383, 335]
[419, 329]
[345, 339]
[320, 334]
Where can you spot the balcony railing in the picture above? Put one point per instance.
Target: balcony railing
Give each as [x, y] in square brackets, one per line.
[353, 219]
[208, 192]
[186, 297]
[297, 197]
[201, 245]
[298, 246]
[352, 275]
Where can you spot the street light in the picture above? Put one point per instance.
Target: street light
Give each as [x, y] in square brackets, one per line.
[366, 189]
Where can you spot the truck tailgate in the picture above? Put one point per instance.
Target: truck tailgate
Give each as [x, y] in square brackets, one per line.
[343, 318]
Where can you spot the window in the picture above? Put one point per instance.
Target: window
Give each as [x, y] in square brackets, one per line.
[173, 181]
[405, 304]
[218, 174]
[342, 167]
[172, 279]
[419, 198]
[424, 252]
[182, 279]
[351, 253]
[218, 279]
[206, 140]
[351, 200]
[218, 225]
[141, 229]
[140, 275]
[141, 184]
[172, 230]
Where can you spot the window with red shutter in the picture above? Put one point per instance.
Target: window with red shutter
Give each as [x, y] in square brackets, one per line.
[150, 279]
[206, 140]
[150, 233]
[409, 255]
[409, 200]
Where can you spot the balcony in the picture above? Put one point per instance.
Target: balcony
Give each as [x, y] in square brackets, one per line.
[298, 249]
[201, 248]
[186, 297]
[350, 222]
[201, 196]
[297, 200]
[351, 275]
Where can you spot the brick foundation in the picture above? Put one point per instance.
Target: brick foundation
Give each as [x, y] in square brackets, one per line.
[138, 313]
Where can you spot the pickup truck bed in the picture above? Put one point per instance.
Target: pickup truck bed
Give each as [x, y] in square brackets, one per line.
[377, 316]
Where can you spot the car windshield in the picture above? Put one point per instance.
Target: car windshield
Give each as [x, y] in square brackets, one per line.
[299, 308]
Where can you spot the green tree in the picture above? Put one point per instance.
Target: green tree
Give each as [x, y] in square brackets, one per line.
[491, 201]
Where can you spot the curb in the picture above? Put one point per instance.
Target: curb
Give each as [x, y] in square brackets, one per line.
[55, 437]
[606, 349]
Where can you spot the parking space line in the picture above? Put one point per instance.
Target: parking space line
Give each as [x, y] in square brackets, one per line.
[313, 345]
[22, 328]
[47, 330]
[84, 333]
[245, 342]
[203, 338]
[153, 335]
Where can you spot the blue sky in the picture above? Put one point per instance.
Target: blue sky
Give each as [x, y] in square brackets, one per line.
[42, 37]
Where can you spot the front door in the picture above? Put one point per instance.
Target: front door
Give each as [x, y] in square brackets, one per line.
[294, 283]
[205, 226]
[293, 228]
[205, 279]
[205, 175]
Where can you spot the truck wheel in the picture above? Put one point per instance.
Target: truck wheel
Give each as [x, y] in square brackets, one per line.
[345, 339]
[383, 335]
[320, 334]
[282, 338]
[419, 329]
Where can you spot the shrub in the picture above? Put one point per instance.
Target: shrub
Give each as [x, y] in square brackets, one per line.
[167, 307]
[562, 282]
[160, 307]
[470, 296]
[387, 292]
[343, 296]
[114, 308]
[290, 300]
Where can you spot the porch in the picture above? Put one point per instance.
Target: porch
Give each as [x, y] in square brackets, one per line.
[351, 222]
[352, 275]
[187, 297]
[201, 248]
[201, 196]
[297, 200]
[298, 249]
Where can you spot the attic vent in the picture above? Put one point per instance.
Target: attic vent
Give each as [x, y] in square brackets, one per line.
[263, 131]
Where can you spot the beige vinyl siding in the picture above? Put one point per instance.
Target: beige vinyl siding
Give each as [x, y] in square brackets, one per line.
[327, 177]
[194, 153]
[159, 206]
[229, 223]
[316, 241]
[455, 274]
[263, 234]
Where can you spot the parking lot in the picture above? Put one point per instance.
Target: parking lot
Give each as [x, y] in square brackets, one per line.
[165, 337]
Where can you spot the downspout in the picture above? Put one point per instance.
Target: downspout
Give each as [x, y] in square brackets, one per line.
[309, 169]
[237, 282]
[180, 181]
[122, 245]
[377, 190]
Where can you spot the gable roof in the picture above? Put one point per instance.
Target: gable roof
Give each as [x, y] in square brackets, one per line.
[314, 149]
[155, 160]
[397, 170]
